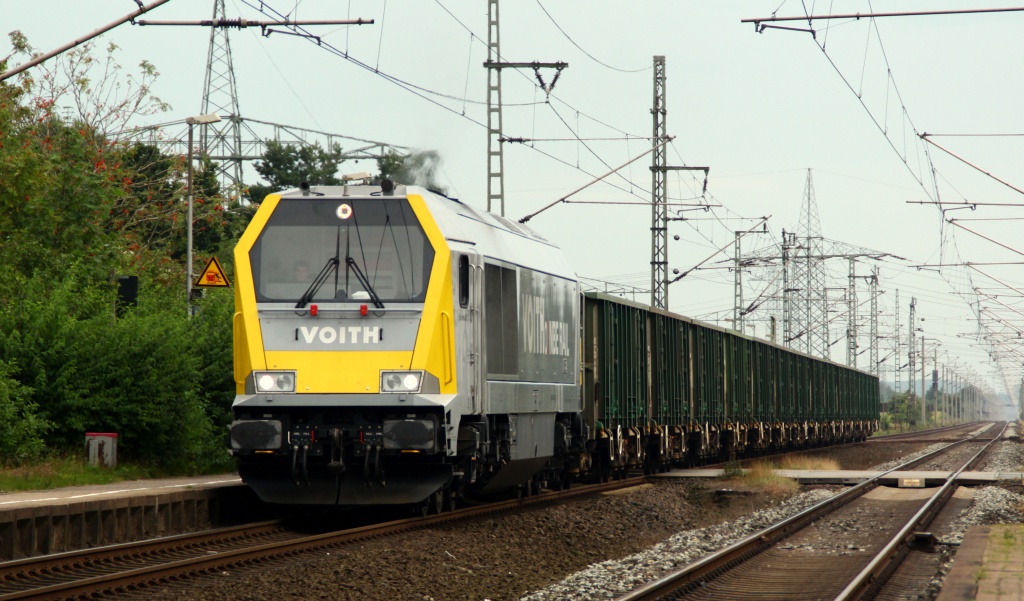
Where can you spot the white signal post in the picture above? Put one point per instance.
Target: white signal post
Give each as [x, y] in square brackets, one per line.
[191, 121]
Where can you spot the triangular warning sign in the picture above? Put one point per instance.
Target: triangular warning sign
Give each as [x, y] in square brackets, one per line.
[212, 276]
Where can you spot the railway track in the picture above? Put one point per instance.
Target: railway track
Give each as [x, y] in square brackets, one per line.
[132, 567]
[942, 434]
[951, 433]
[843, 548]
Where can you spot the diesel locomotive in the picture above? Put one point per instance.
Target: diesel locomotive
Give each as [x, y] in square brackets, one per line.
[395, 346]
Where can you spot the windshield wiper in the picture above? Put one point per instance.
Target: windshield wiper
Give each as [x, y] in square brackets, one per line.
[318, 281]
[350, 262]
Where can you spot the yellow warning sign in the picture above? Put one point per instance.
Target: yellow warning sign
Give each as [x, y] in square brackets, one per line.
[212, 276]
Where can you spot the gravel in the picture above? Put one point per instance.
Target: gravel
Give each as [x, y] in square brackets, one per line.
[655, 528]
[991, 505]
[499, 558]
[888, 465]
[1008, 456]
[609, 579]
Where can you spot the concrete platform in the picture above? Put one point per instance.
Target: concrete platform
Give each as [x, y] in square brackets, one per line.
[989, 565]
[931, 478]
[52, 521]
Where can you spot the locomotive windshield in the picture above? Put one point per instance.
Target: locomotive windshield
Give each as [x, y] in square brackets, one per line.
[342, 250]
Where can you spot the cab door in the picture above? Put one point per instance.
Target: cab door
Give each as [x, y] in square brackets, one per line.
[468, 268]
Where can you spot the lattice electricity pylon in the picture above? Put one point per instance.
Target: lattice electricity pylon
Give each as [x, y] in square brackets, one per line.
[170, 139]
[808, 271]
[800, 284]
[236, 139]
[222, 141]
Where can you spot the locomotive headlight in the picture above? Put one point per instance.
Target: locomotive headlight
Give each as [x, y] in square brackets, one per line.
[400, 381]
[274, 381]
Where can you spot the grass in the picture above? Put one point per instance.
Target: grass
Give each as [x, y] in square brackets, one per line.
[760, 476]
[732, 470]
[59, 472]
[802, 462]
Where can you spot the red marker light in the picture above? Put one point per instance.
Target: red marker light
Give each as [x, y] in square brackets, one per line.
[313, 309]
[362, 310]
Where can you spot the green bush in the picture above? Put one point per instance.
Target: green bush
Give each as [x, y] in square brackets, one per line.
[24, 429]
[76, 209]
[142, 375]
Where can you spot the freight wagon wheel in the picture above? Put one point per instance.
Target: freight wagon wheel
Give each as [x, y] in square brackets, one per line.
[437, 501]
[449, 499]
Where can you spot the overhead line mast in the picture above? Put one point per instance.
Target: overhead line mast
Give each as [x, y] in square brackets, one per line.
[495, 135]
[659, 194]
[659, 208]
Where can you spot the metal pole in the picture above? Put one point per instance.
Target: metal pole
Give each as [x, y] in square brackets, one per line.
[737, 286]
[659, 210]
[897, 367]
[959, 405]
[851, 328]
[924, 391]
[786, 308]
[954, 406]
[945, 399]
[188, 252]
[495, 149]
[874, 322]
[935, 381]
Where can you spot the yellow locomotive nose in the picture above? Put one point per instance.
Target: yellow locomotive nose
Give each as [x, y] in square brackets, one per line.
[337, 290]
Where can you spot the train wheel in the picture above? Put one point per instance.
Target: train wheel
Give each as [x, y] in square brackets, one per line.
[421, 509]
[437, 502]
[449, 499]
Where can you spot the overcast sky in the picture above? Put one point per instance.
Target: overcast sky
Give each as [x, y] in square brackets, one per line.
[759, 109]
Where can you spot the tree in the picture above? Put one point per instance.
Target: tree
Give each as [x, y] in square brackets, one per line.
[904, 410]
[77, 206]
[96, 90]
[57, 189]
[287, 165]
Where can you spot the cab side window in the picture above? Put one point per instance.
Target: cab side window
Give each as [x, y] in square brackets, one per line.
[464, 281]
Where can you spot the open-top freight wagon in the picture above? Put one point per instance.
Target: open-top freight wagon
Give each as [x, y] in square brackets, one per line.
[662, 389]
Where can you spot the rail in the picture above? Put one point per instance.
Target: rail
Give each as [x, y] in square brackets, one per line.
[716, 563]
[36, 576]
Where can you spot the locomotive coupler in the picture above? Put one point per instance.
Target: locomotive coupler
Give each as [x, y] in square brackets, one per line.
[300, 468]
[376, 471]
[366, 466]
[337, 460]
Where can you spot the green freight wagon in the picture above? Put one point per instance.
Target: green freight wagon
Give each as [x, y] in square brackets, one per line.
[662, 389]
